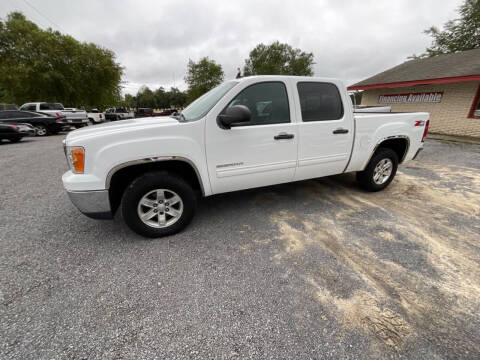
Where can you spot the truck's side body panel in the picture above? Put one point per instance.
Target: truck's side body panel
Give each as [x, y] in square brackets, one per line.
[131, 141]
[323, 150]
[372, 129]
[248, 156]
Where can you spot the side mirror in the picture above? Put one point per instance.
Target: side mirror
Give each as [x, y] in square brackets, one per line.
[235, 116]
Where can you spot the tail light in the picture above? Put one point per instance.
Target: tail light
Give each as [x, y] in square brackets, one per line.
[100, 116]
[425, 131]
[14, 127]
[86, 115]
[57, 114]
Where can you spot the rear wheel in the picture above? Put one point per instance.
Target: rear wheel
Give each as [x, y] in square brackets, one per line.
[158, 204]
[41, 130]
[380, 171]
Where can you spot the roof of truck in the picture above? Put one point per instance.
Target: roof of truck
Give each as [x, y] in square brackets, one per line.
[456, 67]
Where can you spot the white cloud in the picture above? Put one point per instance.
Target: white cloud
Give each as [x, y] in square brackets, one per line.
[153, 40]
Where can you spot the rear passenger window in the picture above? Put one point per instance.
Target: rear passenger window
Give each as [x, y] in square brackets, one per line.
[28, 108]
[319, 101]
[267, 101]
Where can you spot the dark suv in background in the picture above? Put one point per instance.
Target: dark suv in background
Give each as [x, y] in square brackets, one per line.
[43, 123]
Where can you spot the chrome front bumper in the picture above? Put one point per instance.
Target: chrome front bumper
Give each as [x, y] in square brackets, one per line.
[94, 204]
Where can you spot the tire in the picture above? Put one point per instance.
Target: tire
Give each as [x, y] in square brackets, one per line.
[374, 178]
[41, 130]
[90, 122]
[146, 189]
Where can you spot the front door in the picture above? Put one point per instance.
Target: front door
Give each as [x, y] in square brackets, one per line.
[263, 152]
[325, 130]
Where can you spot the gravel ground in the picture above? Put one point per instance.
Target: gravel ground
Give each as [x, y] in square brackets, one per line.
[314, 269]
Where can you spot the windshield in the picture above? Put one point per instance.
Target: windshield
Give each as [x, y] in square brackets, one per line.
[204, 103]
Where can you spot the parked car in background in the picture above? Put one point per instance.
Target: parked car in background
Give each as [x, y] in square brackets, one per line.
[55, 109]
[44, 124]
[26, 129]
[167, 112]
[95, 116]
[76, 117]
[10, 132]
[144, 112]
[113, 114]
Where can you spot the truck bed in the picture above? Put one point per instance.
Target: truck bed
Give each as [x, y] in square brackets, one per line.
[373, 128]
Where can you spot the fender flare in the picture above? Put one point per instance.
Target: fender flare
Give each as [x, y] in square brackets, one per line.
[116, 168]
[391, 138]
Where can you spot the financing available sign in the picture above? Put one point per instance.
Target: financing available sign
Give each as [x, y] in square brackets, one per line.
[426, 97]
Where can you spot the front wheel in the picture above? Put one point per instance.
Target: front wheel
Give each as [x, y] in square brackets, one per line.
[158, 204]
[41, 130]
[380, 171]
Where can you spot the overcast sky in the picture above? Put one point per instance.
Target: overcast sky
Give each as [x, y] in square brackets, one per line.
[153, 40]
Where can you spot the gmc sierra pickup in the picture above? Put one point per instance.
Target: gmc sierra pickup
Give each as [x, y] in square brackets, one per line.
[245, 133]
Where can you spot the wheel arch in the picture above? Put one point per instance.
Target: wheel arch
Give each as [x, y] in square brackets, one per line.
[398, 143]
[123, 174]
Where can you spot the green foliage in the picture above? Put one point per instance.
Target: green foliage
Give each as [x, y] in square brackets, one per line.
[158, 99]
[45, 65]
[459, 34]
[278, 59]
[201, 77]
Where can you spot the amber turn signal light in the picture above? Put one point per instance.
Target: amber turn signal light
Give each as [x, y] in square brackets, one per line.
[77, 159]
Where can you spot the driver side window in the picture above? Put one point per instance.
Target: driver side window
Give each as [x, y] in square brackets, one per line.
[267, 101]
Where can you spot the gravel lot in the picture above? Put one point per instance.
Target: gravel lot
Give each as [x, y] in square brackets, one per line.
[315, 269]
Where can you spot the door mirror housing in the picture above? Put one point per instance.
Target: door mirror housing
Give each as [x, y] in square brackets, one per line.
[237, 115]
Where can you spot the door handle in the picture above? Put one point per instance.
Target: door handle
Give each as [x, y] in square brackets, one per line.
[283, 136]
[340, 131]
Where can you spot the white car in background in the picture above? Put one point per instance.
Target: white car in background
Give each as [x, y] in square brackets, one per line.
[95, 116]
[54, 109]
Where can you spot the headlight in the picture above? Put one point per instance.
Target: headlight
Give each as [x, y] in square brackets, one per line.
[76, 158]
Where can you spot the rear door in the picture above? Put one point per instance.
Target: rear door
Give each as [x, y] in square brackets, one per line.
[325, 129]
[264, 152]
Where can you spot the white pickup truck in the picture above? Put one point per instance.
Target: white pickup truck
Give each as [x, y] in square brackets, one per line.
[76, 117]
[245, 133]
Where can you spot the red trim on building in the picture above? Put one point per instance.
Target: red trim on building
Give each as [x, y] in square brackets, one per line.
[417, 82]
[476, 99]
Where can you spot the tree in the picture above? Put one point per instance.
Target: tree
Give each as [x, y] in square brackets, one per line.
[176, 98]
[202, 76]
[458, 34]
[45, 65]
[129, 101]
[278, 59]
[146, 97]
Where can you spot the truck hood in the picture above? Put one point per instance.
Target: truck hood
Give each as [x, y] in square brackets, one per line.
[119, 126]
